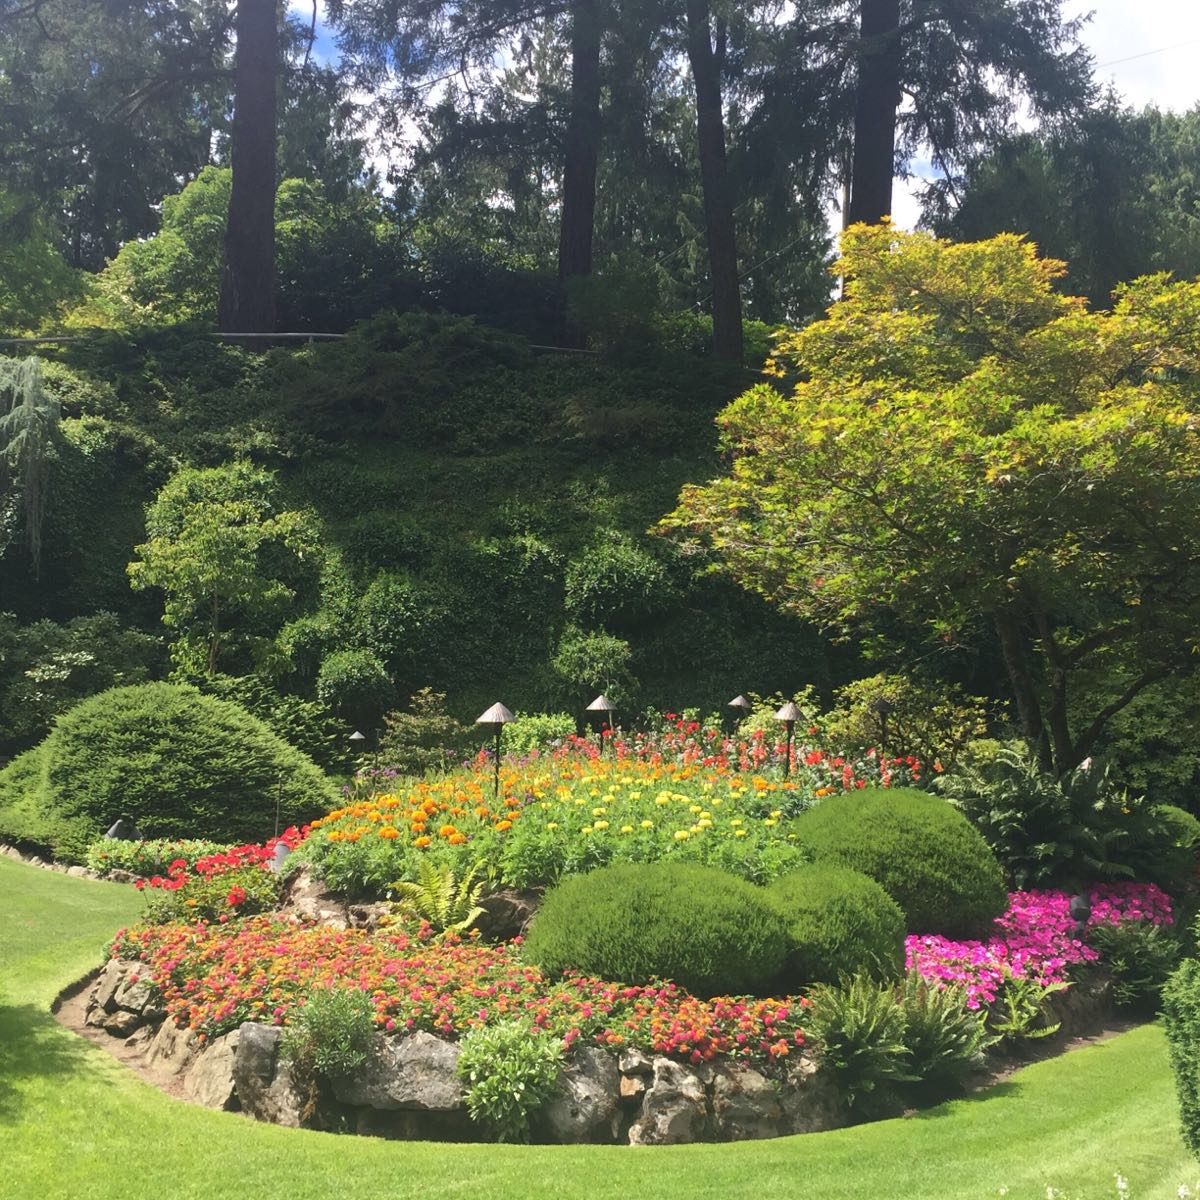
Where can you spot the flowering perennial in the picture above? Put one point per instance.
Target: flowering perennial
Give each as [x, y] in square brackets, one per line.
[212, 978]
[1036, 939]
[221, 862]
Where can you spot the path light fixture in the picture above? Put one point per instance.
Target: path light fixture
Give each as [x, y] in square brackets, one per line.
[1080, 909]
[496, 717]
[122, 830]
[358, 741]
[740, 707]
[601, 705]
[789, 714]
[882, 708]
[281, 853]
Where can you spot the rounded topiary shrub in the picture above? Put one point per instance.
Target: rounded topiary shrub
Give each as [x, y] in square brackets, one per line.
[839, 922]
[708, 931]
[926, 855]
[175, 762]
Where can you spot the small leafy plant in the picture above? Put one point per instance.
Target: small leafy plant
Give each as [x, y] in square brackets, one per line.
[219, 897]
[510, 1070]
[1019, 1013]
[945, 1039]
[331, 1033]
[1141, 956]
[448, 904]
[861, 1031]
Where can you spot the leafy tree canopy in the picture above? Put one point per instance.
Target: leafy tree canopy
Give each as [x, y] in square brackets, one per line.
[967, 448]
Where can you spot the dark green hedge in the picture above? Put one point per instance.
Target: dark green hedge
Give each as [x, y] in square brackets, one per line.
[839, 922]
[709, 931]
[923, 852]
[174, 761]
[1181, 1018]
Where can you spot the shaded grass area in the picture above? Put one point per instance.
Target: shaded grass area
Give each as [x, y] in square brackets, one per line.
[74, 1123]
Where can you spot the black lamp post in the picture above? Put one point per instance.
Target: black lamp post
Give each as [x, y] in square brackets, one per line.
[601, 705]
[739, 706]
[882, 708]
[789, 714]
[497, 717]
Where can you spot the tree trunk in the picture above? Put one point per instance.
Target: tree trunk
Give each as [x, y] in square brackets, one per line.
[1016, 661]
[248, 279]
[876, 100]
[718, 195]
[582, 153]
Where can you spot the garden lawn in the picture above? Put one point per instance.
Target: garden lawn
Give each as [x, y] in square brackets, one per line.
[74, 1123]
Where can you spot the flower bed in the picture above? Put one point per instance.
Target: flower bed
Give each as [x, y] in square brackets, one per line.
[1037, 939]
[214, 977]
[570, 812]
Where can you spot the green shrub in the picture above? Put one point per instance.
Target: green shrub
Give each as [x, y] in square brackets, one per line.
[860, 1030]
[839, 922]
[175, 762]
[1181, 1018]
[1068, 832]
[922, 851]
[1169, 853]
[355, 683]
[537, 731]
[946, 1041]
[331, 1033]
[710, 932]
[147, 858]
[510, 1070]
[239, 893]
[1140, 957]
[587, 663]
[426, 738]
[614, 582]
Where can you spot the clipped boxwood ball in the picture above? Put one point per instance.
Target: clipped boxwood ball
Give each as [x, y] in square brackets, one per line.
[924, 853]
[174, 761]
[839, 922]
[706, 930]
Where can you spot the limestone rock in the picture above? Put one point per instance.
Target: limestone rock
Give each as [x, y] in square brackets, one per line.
[172, 1048]
[745, 1103]
[585, 1107]
[265, 1087]
[307, 897]
[136, 989]
[675, 1107]
[633, 1088]
[634, 1062]
[121, 1023]
[111, 979]
[507, 913]
[209, 1078]
[416, 1071]
[810, 1099]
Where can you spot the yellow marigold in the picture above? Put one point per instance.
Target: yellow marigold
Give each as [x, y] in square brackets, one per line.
[551, 824]
[742, 833]
[601, 825]
[647, 824]
[682, 835]
[626, 828]
[599, 812]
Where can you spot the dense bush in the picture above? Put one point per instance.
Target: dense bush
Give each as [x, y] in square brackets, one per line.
[1069, 831]
[839, 922]
[1181, 1018]
[700, 927]
[174, 761]
[922, 851]
[1140, 956]
[537, 731]
[354, 683]
[510, 1070]
[330, 1034]
[614, 582]
[425, 737]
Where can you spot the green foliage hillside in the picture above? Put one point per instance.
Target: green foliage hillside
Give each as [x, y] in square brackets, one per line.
[481, 512]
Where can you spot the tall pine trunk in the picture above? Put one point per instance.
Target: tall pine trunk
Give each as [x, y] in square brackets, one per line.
[248, 277]
[718, 194]
[582, 152]
[876, 100]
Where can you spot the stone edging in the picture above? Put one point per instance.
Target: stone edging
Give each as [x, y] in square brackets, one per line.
[35, 860]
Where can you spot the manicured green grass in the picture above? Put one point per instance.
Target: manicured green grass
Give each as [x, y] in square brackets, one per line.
[73, 1123]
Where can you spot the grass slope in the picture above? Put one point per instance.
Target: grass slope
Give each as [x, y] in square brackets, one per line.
[73, 1123]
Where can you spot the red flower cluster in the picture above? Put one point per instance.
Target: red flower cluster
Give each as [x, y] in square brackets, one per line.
[214, 977]
[233, 859]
